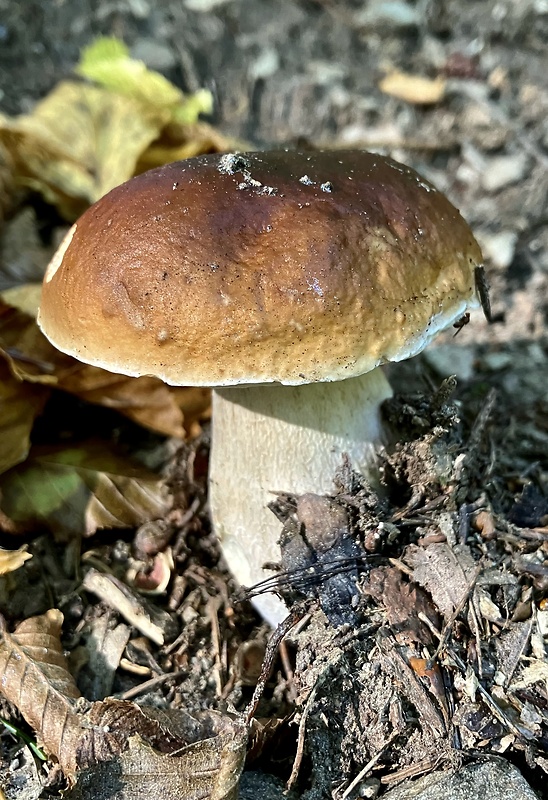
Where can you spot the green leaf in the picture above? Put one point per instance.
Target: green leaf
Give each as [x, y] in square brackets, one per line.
[80, 490]
[17, 732]
[107, 62]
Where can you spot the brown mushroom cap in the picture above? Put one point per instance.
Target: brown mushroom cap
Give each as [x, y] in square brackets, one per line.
[277, 266]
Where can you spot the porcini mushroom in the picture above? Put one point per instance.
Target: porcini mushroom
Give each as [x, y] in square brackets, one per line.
[282, 279]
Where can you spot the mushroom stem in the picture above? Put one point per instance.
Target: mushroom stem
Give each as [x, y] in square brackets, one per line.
[273, 438]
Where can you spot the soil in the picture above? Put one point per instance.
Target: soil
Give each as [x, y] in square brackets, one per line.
[306, 74]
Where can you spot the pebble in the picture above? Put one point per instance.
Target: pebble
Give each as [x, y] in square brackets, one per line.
[394, 14]
[495, 778]
[204, 5]
[451, 359]
[498, 248]
[265, 65]
[139, 8]
[155, 55]
[502, 171]
[497, 360]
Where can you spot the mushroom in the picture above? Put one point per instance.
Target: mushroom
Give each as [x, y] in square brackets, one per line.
[282, 279]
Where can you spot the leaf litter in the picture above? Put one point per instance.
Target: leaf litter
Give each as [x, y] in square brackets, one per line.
[144, 747]
[443, 630]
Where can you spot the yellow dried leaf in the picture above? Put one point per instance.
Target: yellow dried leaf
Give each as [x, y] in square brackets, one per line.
[24, 297]
[177, 142]
[10, 560]
[79, 142]
[107, 62]
[82, 140]
[413, 88]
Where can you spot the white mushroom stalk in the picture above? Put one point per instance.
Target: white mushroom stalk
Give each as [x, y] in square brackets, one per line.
[272, 438]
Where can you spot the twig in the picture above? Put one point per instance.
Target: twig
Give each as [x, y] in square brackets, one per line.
[288, 669]
[17, 355]
[151, 684]
[443, 637]
[212, 608]
[396, 562]
[300, 740]
[152, 622]
[282, 630]
[481, 421]
[428, 764]
[370, 764]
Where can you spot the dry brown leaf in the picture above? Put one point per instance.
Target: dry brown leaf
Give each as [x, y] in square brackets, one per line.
[510, 647]
[116, 749]
[76, 491]
[35, 678]
[413, 88]
[10, 560]
[28, 353]
[443, 572]
[20, 404]
[403, 601]
[7, 184]
[145, 400]
[164, 754]
[178, 141]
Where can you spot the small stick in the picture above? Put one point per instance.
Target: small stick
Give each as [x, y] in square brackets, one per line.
[369, 766]
[300, 740]
[150, 684]
[281, 631]
[426, 765]
[444, 636]
[212, 608]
